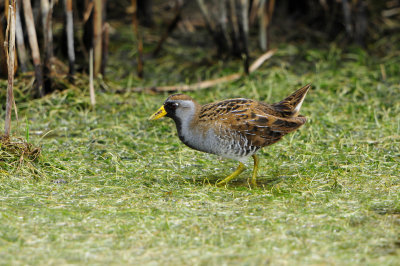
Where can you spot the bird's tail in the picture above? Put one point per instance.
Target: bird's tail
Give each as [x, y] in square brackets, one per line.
[290, 106]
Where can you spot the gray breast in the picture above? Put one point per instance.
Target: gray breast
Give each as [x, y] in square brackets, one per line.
[217, 140]
[225, 143]
[234, 145]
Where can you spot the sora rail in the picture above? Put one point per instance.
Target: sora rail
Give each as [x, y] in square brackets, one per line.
[233, 128]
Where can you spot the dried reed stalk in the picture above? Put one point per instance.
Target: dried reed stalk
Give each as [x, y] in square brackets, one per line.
[347, 17]
[267, 10]
[47, 10]
[30, 26]
[233, 20]
[3, 53]
[244, 32]
[19, 36]
[70, 35]
[97, 34]
[106, 40]
[10, 64]
[91, 86]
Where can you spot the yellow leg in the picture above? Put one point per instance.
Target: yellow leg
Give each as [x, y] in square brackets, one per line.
[237, 172]
[253, 178]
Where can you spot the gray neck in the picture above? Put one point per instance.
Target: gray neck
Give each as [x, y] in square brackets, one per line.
[183, 118]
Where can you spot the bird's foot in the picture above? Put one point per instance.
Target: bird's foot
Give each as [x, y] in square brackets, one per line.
[237, 172]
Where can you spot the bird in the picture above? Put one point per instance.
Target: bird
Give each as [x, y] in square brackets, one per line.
[233, 128]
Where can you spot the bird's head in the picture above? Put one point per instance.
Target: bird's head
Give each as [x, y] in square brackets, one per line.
[177, 106]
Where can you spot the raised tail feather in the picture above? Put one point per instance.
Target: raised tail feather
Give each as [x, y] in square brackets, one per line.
[290, 106]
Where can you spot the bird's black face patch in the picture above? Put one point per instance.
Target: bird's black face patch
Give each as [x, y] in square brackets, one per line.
[170, 107]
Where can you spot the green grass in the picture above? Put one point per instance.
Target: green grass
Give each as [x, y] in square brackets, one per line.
[114, 188]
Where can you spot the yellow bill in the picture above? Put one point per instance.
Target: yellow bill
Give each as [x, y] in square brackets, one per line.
[160, 113]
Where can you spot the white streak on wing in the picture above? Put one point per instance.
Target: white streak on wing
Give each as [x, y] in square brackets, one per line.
[239, 114]
[237, 111]
[297, 109]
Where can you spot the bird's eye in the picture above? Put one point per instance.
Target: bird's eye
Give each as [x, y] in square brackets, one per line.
[174, 105]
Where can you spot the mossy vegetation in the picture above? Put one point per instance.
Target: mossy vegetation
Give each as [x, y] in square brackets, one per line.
[111, 187]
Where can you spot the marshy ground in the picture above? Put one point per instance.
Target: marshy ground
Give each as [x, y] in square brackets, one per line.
[112, 187]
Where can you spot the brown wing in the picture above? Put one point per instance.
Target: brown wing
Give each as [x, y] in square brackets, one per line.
[259, 123]
[290, 106]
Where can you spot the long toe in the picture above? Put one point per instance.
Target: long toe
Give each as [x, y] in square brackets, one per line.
[237, 172]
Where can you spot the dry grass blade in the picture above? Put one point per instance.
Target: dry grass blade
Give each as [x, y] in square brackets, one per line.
[259, 61]
[209, 83]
